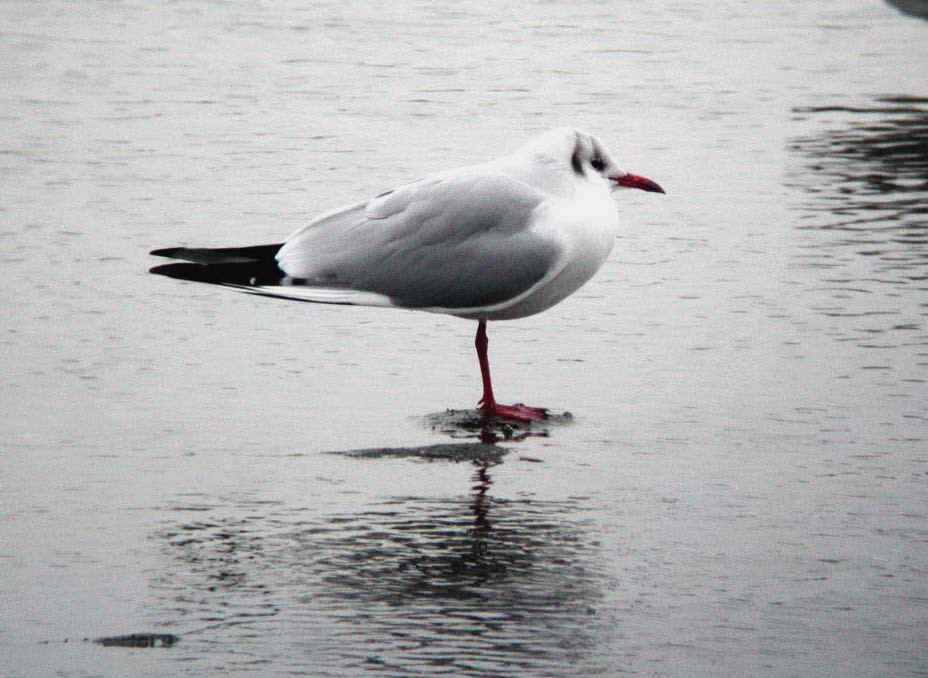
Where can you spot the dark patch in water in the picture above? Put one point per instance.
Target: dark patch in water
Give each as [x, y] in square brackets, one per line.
[861, 194]
[456, 452]
[138, 640]
[916, 8]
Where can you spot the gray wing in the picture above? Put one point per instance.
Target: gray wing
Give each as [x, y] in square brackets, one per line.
[451, 241]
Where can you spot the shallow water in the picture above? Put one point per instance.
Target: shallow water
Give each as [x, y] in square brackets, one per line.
[741, 488]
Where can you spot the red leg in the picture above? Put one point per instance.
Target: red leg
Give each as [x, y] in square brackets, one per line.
[488, 403]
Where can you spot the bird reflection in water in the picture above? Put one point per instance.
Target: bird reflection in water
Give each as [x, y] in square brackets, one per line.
[471, 585]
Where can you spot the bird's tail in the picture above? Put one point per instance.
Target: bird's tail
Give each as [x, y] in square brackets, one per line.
[237, 266]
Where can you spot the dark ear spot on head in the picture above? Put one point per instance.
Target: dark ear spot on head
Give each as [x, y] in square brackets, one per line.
[575, 160]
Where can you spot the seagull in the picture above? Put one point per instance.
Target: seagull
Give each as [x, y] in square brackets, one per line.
[500, 240]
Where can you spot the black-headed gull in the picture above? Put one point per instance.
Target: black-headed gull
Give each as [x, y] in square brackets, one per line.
[497, 241]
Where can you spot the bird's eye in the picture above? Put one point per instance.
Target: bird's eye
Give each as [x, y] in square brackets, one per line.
[598, 164]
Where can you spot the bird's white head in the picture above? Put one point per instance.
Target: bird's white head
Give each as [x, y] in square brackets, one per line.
[587, 157]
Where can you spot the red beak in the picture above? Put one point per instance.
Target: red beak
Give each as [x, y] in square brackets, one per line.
[635, 181]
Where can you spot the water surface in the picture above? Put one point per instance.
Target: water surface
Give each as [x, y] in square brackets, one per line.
[740, 490]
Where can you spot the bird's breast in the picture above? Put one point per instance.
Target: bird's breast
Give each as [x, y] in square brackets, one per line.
[586, 227]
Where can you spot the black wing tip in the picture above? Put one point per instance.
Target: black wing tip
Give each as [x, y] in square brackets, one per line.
[244, 274]
[215, 275]
[220, 255]
[179, 271]
[169, 252]
[245, 266]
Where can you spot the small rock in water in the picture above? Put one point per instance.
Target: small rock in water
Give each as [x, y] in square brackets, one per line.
[475, 424]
